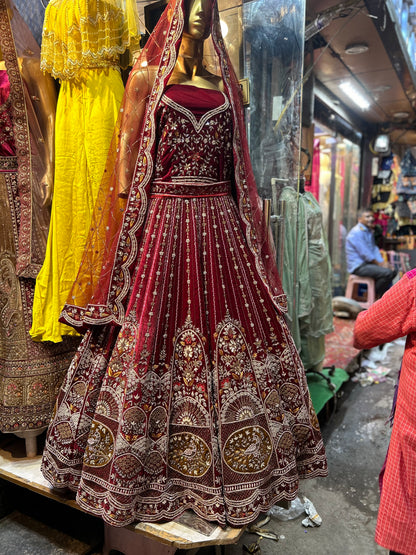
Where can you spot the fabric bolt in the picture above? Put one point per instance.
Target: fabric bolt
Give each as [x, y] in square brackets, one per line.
[30, 374]
[380, 196]
[81, 45]
[198, 400]
[411, 203]
[407, 178]
[408, 163]
[392, 317]
[382, 219]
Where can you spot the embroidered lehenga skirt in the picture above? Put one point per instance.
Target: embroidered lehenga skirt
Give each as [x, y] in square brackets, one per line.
[199, 400]
[30, 374]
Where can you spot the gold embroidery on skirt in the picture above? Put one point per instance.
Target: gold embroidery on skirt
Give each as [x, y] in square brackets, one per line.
[100, 446]
[189, 454]
[248, 450]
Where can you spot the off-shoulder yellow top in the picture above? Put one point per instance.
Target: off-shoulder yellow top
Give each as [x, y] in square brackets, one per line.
[79, 34]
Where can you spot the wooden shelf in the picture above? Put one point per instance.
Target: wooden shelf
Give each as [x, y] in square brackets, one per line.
[165, 538]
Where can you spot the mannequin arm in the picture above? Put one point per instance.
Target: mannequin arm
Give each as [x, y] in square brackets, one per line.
[43, 92]
[133, 114]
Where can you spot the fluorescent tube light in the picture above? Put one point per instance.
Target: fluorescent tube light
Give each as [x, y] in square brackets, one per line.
[355, 95]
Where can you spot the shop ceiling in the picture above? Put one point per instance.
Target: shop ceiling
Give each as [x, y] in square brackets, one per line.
[381, 72]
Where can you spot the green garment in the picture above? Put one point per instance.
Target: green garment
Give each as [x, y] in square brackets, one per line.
[307, 275]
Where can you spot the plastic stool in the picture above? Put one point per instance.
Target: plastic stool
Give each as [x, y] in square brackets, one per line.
[355, 281]
[404, 262]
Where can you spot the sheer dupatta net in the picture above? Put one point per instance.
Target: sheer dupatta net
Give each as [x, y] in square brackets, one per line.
[100, 293]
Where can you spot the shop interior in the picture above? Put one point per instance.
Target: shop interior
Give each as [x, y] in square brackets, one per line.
[328, 95]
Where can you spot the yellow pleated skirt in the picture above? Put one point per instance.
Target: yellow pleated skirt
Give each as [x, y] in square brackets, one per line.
[87, 111]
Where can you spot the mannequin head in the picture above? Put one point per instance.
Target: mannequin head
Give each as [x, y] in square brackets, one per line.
[198, 18]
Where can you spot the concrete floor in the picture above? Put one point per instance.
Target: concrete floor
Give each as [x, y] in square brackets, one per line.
[356, 439]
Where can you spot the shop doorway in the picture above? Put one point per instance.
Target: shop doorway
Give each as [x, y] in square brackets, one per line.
[336, 183]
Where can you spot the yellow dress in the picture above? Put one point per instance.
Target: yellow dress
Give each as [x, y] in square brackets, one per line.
[81, 45]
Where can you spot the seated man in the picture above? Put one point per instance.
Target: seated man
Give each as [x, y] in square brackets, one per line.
[364, 257]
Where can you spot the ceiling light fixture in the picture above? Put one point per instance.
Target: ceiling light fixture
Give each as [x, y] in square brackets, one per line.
[356, 48]
[355, 95]
[381, 88]
[401, 115]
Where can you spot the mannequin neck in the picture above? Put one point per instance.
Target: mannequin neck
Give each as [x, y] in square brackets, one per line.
[190, 56]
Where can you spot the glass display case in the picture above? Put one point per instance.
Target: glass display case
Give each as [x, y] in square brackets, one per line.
[337, 165]
[265, 39]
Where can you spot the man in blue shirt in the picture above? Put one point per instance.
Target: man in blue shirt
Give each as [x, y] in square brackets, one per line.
[364, 257]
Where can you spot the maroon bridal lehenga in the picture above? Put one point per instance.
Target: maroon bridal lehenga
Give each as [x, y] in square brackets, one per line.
[199, 400]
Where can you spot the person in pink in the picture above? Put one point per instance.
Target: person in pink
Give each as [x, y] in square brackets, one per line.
[391, 317]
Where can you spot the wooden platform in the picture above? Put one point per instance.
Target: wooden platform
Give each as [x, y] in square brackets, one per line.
[189, 532]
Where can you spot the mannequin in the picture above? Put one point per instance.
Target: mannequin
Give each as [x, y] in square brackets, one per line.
[29, 374]
[187, 391]
[189, 68]
[81, 46]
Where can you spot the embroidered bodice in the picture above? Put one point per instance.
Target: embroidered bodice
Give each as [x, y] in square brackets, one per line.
[194, 135]
[7, 146]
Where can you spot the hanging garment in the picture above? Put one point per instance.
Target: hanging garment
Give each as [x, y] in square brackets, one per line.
[187, 391]
[406, 183]
[319, 320]
[295, 277]
[81, 45]
[307, 275]
[30, 374]
[201, 389]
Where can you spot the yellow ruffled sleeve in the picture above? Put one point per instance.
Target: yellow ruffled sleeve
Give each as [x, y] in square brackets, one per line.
[79, 34]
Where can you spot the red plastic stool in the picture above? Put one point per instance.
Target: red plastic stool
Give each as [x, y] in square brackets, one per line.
[352, 289]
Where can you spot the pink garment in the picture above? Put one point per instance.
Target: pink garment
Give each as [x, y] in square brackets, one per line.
[316, 163]
[7, 145]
